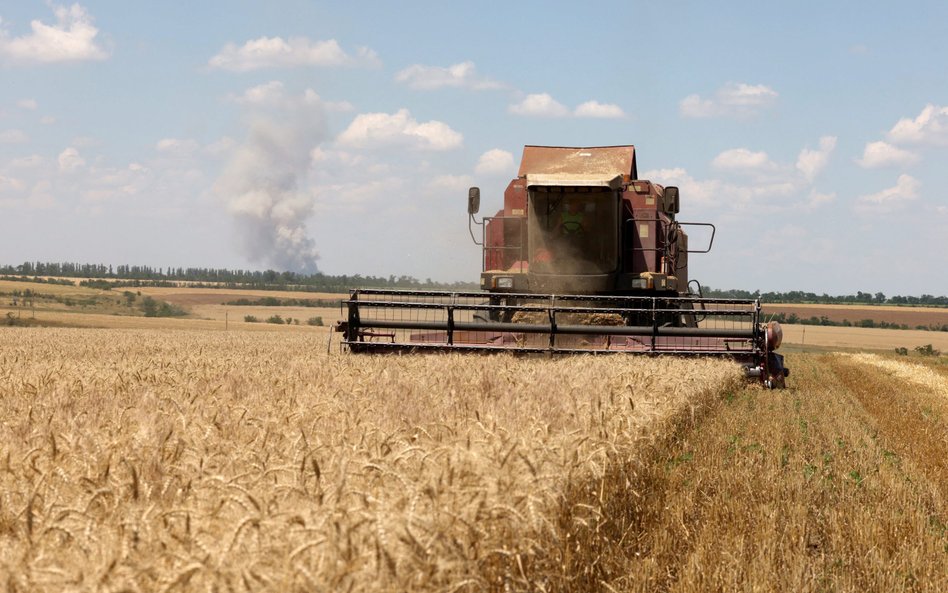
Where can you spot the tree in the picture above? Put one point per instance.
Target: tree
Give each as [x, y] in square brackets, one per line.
[150, 307]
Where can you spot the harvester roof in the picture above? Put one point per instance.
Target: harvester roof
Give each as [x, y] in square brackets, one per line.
[561, 164]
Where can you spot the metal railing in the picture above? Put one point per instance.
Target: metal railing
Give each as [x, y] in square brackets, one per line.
[379, 320]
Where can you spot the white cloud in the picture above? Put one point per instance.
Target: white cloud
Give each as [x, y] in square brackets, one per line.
[275, 52]
[463, 75]
[450, 184]
[71, 39]
[70, 160]
[775, 191]
[177, 146]
[750, 95]
[373, 130]
[262, 94]
[86, 141]
[111, 183]
[495, 162]
[13, 137]
[78, 178]
[10, 184]
[220, 146]
[274, 94]
[890, 199]
[47, 120]
[692, 190]
[27, 162]
[355, 196]
[930, 127]
[29, 104]
[751, 178]
[817, 199]
[743, 160]
[333, 162]
[695, 106]
[41, 195]
[811, 162]
[731, 100]
[882, 154]
[319, 155]
[543, 105]
[600, 110]
[340, 106]
[539, 105]
[310, 97]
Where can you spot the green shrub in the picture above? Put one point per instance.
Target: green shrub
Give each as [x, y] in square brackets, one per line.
[315, 321]
[251, 319]
[156, 308]
[927, 350]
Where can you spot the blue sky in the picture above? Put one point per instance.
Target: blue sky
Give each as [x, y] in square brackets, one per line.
[344, 136]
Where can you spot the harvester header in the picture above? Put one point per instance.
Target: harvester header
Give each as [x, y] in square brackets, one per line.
[583, 257]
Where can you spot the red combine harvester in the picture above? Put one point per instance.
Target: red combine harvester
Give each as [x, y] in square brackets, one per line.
[583, 258]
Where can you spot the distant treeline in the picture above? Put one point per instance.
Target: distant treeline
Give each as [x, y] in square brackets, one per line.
[794, 319]
[273, 280]
[213, 277]
[800, 297]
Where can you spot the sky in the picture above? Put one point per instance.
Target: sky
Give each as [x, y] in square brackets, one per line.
[342, 137]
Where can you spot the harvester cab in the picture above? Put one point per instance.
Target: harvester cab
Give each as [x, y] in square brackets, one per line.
[579, 221]
[584, 257]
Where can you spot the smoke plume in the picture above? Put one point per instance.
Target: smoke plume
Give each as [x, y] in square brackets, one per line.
[263, 185]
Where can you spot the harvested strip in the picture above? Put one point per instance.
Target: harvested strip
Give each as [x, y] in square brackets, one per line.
[913, 417]
[916, 373]
[800, 490]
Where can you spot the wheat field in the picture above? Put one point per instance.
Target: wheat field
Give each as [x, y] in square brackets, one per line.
[170, 460]
[155, 460]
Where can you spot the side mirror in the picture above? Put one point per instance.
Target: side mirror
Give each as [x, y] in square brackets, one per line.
[671, 199]
[473, 200]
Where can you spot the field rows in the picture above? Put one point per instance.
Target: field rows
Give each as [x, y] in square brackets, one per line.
[838, 484]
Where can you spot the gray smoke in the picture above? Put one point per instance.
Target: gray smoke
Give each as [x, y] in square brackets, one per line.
[262, 183]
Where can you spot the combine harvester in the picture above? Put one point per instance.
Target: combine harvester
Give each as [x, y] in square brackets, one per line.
[585, 257]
